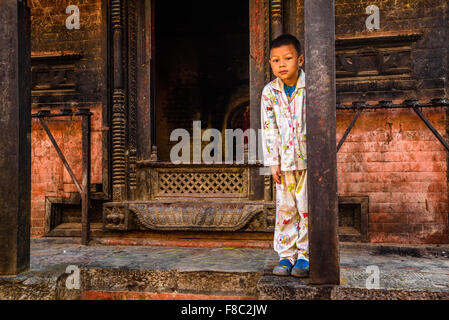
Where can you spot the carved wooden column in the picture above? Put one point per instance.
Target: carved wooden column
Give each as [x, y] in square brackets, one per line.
[259, 76]
[132, 98]
[15, 130]
[276, 18]
[321, 143]
[118, 105]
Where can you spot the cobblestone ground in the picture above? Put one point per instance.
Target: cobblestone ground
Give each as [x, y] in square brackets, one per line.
[50, 258]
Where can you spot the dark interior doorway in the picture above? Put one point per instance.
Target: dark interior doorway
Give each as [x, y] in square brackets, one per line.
[201, 65]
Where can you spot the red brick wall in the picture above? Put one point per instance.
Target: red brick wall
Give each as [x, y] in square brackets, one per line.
[50, 36]
[392, 157]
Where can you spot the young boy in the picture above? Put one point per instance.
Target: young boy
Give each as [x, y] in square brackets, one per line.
[284, 144]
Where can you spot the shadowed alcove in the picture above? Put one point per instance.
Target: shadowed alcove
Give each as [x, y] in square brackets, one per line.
[202, 66]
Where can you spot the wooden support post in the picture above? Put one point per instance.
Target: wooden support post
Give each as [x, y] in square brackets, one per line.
[85, 195]
[321, 141]
[259, 24]
[15, 130]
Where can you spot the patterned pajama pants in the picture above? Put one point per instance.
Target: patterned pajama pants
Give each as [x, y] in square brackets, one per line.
[290, 233]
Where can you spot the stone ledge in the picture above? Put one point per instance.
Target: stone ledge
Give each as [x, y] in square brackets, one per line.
[413, 250]
[201, 243]
[127, 295]
[171, 281]
[271, 287]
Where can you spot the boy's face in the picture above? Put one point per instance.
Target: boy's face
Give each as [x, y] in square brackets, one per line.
[285, 63]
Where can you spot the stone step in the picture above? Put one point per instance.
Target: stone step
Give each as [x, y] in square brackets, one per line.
[168, 284]
[270, 287]
[128, 295]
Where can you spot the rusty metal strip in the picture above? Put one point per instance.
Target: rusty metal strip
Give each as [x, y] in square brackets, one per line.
[385, 104]
[431, 127]
[342, 140]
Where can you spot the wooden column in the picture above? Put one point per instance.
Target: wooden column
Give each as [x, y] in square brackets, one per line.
[145, 119]
[276, 18]
[132, 93]
[15, 130]
[291, 18]
[259, 76]
[118, 104]
[321, 141]
[85, 194]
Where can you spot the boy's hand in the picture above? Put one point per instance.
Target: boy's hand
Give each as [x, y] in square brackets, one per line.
[276, 172]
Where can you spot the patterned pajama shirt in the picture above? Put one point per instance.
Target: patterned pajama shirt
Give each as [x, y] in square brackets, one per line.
[284, 144]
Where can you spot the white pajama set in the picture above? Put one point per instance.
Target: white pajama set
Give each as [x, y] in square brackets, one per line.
[284, 144]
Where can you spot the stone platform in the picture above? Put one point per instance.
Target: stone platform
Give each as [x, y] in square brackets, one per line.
[150, 272]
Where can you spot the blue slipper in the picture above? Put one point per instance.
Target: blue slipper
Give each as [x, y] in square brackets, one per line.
[283, 268]
[301, 268]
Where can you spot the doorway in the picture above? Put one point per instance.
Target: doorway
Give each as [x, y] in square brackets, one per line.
[201, 65]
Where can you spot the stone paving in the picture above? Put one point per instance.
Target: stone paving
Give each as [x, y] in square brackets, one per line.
[50, 258]
[46, 254]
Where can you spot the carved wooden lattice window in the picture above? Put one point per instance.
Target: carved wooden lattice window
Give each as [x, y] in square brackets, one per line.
[212, 183]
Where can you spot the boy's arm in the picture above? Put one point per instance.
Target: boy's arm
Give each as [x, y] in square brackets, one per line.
[270, 131]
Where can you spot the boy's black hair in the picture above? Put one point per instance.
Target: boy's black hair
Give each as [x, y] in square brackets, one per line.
[285, 40]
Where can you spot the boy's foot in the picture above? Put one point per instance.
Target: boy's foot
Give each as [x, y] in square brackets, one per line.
[283, 268]
[301, 268]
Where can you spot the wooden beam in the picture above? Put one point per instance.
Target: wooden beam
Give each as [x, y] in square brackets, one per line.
[321, 143]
